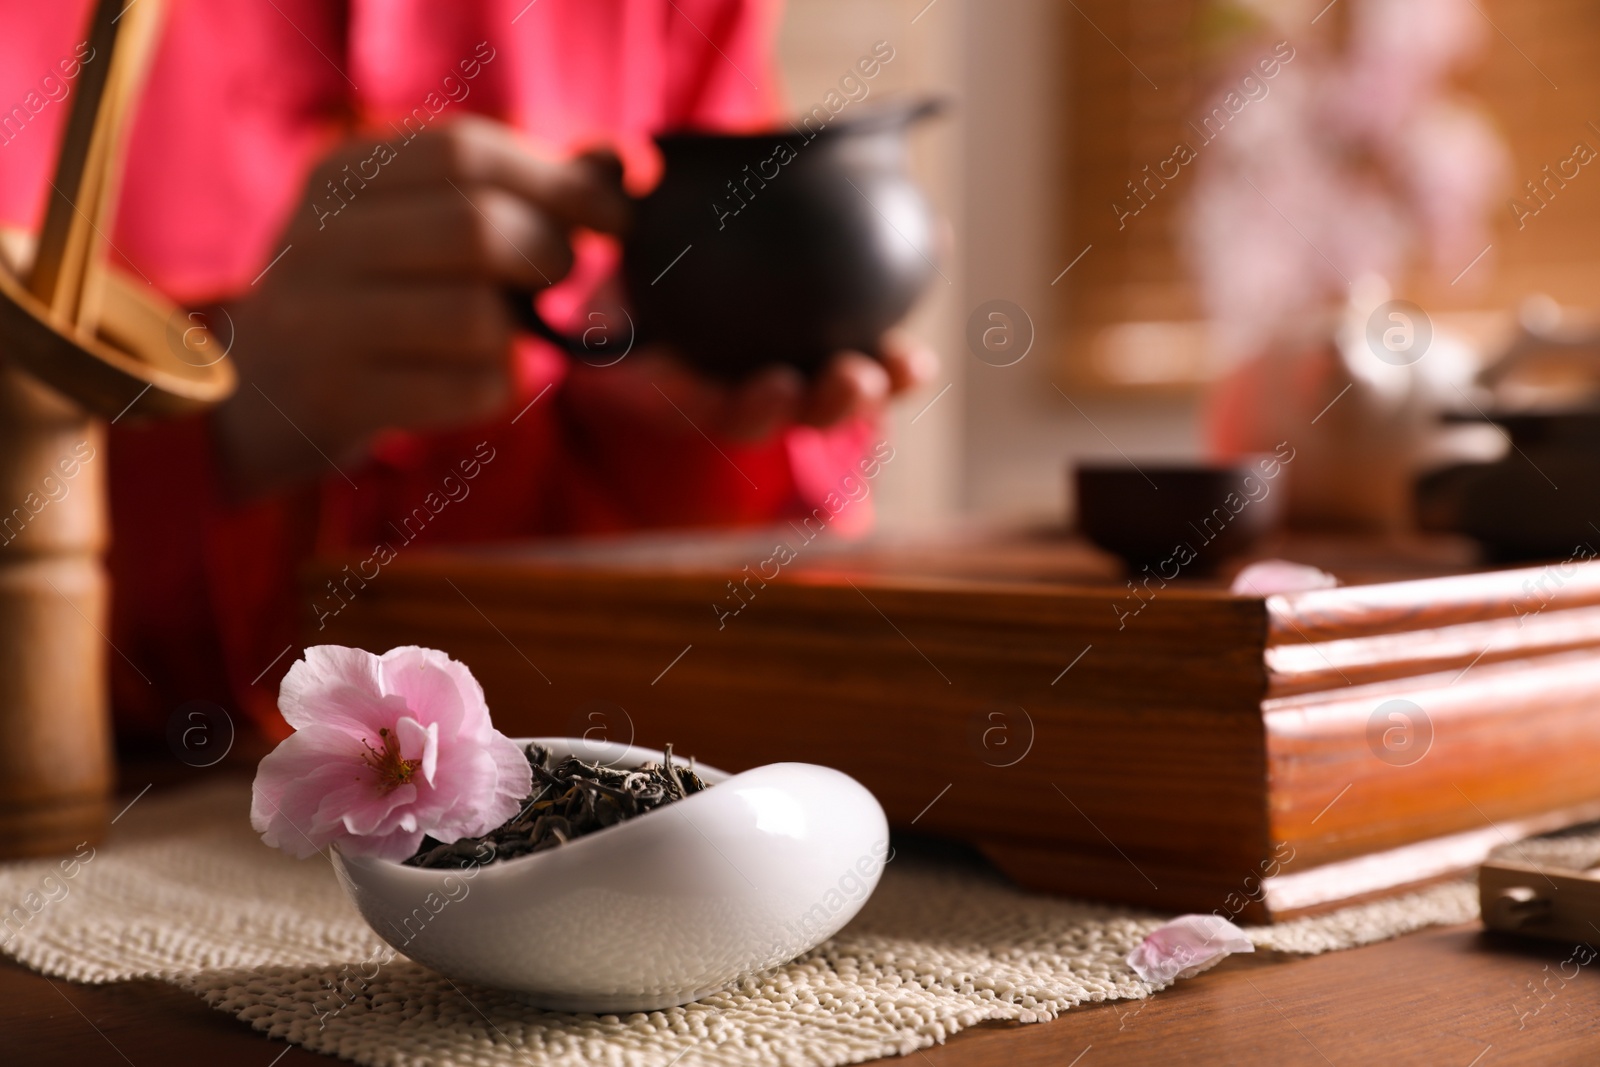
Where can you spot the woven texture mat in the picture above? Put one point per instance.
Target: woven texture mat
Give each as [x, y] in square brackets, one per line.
[186, 893]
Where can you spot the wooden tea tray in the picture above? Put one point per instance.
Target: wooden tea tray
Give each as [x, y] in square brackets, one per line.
[1209, 752]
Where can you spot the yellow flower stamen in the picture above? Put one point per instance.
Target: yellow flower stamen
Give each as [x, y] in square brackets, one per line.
[392, 771]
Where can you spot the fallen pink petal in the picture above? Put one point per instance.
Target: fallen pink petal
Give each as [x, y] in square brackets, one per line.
[1269, 576]
[1186, 946]
[386, 749]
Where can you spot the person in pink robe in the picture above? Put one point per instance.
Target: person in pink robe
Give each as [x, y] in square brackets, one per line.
[377, 368]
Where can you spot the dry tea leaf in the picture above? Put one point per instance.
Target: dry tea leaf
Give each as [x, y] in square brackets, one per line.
[570, 798]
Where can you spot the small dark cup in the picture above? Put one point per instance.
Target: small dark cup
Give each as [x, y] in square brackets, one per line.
[777, 247]
[1184, 517]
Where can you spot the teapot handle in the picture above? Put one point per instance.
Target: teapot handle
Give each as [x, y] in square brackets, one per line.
[527, 316]
[602, 353]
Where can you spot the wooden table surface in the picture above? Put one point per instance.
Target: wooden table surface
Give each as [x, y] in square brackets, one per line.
[1452, 996]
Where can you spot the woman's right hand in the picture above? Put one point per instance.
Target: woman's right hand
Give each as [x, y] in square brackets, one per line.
[388, 311]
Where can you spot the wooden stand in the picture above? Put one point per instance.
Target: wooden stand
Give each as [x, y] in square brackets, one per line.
[55, 760]
[55, 722]
[78, 341]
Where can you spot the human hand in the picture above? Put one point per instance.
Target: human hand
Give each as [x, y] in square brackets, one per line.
[653, 387]
[389, 311]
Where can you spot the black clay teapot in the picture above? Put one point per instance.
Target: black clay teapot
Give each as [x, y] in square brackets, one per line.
[784, 246]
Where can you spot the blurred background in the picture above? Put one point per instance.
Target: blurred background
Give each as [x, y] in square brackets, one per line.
[1340, 155]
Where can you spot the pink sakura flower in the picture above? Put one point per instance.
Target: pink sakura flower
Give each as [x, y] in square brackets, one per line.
[385, 749]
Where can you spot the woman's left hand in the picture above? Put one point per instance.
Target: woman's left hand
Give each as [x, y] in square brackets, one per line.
[654, 387]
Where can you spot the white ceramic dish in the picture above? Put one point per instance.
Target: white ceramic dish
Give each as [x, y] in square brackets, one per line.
[656, 911]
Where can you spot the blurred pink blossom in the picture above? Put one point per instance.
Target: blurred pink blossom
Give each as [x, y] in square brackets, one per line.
[1356, 162]
[385, 749]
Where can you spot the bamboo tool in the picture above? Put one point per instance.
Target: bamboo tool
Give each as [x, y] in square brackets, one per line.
[130, 62]
[93, 333]
[64, 240]
[79, 340]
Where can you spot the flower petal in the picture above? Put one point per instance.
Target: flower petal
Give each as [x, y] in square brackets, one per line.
[291, 782]
[336, 686]
[1186, 946]
[370, 810]
[399, 845]
[420, 744]
[1268, 576]
[516, 777]
[479, 809]
[436, 689]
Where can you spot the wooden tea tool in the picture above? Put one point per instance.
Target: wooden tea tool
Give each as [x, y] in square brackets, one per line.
[95, 334]
[79, 341]
[1539, 901]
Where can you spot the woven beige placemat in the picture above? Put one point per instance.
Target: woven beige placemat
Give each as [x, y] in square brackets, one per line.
[185, 892]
